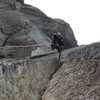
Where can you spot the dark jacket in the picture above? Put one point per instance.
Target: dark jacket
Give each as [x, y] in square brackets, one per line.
[57, 42]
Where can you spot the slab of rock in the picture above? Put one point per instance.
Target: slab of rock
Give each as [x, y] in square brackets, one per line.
[79, 77]
[25, 79]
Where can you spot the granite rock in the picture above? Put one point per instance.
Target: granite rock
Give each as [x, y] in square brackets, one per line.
[79, 76]
[22, 24]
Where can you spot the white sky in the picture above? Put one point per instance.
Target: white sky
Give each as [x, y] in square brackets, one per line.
[82, 15]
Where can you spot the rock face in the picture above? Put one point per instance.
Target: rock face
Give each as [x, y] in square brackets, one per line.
[25, 79]
[78, 78]
[45, 78]
[22, 24]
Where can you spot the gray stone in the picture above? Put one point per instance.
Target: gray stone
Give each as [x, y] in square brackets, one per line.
[79, 77]
[49, 25]
[2, 38]
[26, 25]
[45, 78]
[25, 79]
[8, 1]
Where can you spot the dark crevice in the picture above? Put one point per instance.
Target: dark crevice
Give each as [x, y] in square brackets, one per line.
[6, 38]
[60, 64]
[5, 41]
[3, 70]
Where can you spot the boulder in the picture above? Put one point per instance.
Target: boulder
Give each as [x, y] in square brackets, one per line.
[79, 76]
[25, 79]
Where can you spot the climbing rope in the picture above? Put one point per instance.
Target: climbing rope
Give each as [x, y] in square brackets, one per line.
[24, 46]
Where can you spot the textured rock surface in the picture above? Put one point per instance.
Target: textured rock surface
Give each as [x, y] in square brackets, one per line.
[22, 24]
[48, 25]
[25, 79]
[79, 77]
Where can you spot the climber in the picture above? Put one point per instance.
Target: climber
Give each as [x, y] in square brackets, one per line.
[57, 43]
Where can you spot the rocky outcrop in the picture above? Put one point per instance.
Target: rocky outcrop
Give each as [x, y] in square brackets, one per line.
[48, 25]
[45, 78]
[25, 79]
[78, 78]
[22, 24]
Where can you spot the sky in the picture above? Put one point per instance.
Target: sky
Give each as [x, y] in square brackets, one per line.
[82, 15]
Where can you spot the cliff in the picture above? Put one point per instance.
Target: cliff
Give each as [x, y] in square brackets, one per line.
[22, 24]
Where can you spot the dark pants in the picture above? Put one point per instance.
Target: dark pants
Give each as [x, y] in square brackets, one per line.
[56, 46]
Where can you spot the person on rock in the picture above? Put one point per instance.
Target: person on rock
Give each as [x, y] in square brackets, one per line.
[57, 42]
